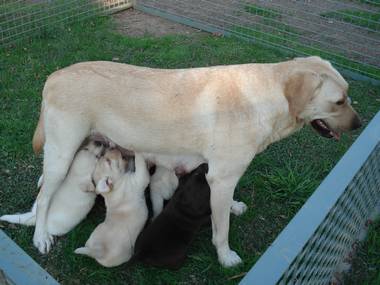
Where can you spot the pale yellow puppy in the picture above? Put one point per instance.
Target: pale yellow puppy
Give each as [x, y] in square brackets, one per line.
[111, 243]
[73, 200]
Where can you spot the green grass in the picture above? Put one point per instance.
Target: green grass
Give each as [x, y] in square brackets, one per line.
[375, 3]
[275, 185]
[262, 11]
[365, 19]
[366, 265]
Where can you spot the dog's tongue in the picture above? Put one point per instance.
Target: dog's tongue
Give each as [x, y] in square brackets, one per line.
[335, 135]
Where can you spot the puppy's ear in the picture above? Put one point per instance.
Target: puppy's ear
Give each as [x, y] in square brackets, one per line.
[104, 185]
[300, 89]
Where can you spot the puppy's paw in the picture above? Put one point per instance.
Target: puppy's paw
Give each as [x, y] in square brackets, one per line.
[43, 241]
[229, 258]
[238, 208]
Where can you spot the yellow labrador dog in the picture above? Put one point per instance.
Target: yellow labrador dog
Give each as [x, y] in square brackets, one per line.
[222, 115]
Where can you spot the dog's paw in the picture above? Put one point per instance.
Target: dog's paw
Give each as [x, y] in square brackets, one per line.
[229, 258]
[238, 208]
[43, 241]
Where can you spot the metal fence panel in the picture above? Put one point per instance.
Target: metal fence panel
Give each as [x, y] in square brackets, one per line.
[323, 234]
[23, 18]
[345, 32]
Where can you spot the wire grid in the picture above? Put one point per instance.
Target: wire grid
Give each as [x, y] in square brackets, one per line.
[336, 237]
[23, 18]
[345, 32]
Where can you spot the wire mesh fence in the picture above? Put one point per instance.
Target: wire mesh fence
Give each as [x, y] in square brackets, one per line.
[347, 32]
[23, 18]
[320, 241]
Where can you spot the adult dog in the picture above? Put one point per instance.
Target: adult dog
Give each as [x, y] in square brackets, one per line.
[222, 115]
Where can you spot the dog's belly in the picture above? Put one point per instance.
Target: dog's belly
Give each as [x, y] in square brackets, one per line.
[181, 164]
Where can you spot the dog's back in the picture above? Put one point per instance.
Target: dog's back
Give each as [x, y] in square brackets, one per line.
[165, 241]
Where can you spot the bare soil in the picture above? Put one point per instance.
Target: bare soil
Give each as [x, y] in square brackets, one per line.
[133, 23]
[303, 22]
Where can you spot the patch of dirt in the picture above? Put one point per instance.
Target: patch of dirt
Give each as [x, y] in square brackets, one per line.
[133, 23]
[298, 25]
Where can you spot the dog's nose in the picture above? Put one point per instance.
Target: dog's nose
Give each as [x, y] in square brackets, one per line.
[356, 123]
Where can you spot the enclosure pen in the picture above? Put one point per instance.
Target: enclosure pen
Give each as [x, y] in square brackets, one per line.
[318, 243]
[20, 19]
[320, 240]
[344, 32]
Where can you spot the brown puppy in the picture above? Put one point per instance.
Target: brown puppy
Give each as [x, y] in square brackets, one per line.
[165, 241]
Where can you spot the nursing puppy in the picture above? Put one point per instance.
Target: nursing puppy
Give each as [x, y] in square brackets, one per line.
[73, 200]
[162, 185]
[111, 243]
[222, 115]
[165, 241]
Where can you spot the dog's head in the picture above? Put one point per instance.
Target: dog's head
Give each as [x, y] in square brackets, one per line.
[318, 95]
[109, 169]
[193, 196]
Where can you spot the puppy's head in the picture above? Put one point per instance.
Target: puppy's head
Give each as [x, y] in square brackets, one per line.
[318, 95]
[109, 169]
[93, 146]
[194, 193]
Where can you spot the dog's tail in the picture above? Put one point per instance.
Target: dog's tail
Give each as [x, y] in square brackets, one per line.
[39, 134]
[28, 219]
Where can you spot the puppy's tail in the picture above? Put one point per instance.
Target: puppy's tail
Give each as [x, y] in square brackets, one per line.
[28, 219]
[39, 134]
[83, 250]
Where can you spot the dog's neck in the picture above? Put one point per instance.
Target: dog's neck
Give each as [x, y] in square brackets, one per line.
[282, 127]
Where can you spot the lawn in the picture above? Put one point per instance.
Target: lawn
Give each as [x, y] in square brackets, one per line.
[275, 186]
[370, 20]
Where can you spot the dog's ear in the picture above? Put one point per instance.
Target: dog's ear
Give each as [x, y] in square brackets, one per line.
[104, 185]
[300, 89]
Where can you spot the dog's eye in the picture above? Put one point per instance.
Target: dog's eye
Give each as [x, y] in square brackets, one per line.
[340, 102]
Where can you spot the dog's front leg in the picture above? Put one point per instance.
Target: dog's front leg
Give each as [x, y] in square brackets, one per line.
[223, 180]
[60, 147]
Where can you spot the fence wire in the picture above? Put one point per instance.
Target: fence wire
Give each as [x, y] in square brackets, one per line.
[336, 237]
[344, 32]
[23, 18]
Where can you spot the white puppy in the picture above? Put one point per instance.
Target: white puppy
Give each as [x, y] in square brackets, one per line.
[111, 243]
[163, 184]
[73, 200]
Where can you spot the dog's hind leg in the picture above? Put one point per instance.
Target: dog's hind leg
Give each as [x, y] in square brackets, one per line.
[223, 177]
[64, 134]
[28, 219]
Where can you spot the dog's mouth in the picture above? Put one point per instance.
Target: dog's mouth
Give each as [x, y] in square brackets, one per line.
[323, 129]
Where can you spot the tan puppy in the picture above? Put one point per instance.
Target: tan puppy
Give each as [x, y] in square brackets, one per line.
[73, 200]
[163, 184]
[111, 243]
[222, 115]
